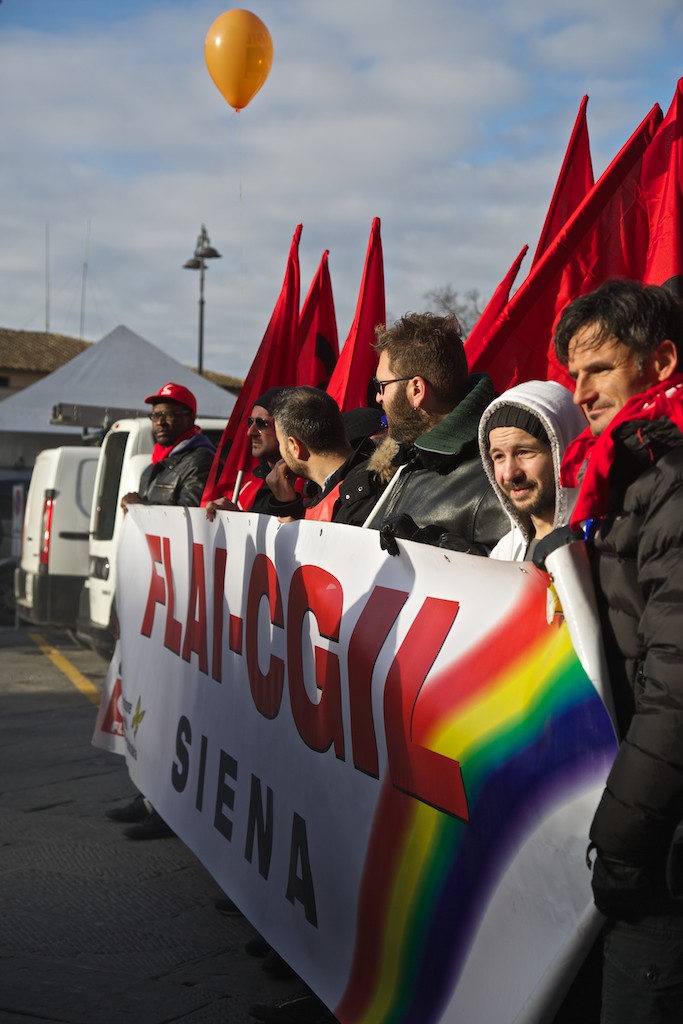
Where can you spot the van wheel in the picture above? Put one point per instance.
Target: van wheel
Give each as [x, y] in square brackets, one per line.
[76, 639]
[104, 650]
[7, 605]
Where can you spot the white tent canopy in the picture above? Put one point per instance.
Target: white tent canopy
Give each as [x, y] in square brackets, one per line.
[117, 372]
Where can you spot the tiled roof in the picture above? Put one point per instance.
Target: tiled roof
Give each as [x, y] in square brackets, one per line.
[231, 384]
[37, 351]
[40, 352]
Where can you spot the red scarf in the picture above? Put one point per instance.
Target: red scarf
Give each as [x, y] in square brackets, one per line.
[159, 453]
[587, 460]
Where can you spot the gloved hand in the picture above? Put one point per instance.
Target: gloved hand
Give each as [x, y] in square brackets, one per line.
[440, 538]
[621, 889]
[557, 538]
[401, 526]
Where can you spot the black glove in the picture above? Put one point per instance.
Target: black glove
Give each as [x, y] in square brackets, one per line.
[401, 527]
[440, 538]
[621, 889]
[558, 538]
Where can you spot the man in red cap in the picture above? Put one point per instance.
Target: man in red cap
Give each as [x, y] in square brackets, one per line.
[182, 455]
[181, 460]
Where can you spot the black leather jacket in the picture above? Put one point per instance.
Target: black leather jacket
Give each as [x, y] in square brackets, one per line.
[443, 487]
[179, 479]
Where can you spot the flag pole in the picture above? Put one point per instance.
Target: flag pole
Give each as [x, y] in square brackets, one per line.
[238, 485]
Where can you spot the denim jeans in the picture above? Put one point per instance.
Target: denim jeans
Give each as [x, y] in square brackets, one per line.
[643, 972]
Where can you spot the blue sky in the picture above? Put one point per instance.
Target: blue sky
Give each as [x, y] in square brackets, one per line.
[447, 119]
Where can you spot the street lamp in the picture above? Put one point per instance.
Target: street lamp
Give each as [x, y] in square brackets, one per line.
[203, 251]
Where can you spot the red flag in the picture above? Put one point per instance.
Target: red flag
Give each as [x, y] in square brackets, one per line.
[357, 363]
[274, 364]
[574, 182]
[662, 183]
[605, 237]
[496, 304]
[318, 339]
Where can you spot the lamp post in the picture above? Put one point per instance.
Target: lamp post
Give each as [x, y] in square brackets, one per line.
[203, 251]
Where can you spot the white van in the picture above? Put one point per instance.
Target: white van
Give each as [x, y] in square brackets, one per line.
[13, 487]
[125, 453]
[54, 546]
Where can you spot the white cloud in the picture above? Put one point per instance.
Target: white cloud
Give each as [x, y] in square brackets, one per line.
[445, 119]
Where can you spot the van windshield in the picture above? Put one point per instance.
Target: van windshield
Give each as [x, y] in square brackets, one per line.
[107, 495]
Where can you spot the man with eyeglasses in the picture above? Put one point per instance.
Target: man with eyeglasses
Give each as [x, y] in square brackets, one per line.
[182, 454]
[181, 460]
[439, 493]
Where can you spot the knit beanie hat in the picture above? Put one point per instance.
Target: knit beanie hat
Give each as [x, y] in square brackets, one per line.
[268, 398]
[515, 416]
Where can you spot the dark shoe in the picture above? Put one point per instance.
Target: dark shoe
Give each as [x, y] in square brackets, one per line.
[227, 908]
[153, 827]
[276, 967]
[257, 946]
[301, 1008]
[131, 813]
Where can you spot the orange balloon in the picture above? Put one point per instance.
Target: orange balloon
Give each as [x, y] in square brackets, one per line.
[239, 55]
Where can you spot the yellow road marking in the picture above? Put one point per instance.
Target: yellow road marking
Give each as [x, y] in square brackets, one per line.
[80, 681]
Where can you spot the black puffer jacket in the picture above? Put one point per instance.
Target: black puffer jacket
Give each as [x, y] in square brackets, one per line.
[443, 487]
[638, 563]
[179, 479]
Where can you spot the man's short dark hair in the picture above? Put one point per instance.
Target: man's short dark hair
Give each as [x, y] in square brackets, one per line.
[429, 346]
[638, 315]
[311, 416]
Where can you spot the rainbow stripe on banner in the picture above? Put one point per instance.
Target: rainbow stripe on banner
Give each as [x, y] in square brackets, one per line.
[530, 733]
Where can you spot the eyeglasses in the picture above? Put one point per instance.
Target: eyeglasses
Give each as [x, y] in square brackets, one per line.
[258, 422]
[157, 417]
[381, 384]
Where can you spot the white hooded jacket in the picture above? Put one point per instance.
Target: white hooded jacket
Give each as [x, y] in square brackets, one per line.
[562, 421]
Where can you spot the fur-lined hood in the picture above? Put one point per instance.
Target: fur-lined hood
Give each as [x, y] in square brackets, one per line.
[382, 461]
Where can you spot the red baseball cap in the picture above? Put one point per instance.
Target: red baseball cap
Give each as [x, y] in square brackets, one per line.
[175, 393]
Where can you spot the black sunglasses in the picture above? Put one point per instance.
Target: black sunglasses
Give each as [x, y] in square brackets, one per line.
[258, 422]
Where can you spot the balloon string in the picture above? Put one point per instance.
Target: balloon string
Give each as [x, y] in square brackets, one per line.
[241, 270]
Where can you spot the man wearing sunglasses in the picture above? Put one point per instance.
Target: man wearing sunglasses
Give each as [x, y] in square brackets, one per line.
[254, 494]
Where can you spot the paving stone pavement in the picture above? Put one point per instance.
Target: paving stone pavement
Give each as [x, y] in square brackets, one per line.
[96, 928]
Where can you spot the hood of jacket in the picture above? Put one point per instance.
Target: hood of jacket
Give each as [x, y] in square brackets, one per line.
[562, 421]
[458, 430]
[383, 462]
[198, 440]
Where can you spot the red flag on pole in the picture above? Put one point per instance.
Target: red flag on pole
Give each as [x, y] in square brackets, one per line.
[662, 184]
[574, 182]
[318, 338]
[274, 364]
[357, 363]
[496, 304]
[605, 237]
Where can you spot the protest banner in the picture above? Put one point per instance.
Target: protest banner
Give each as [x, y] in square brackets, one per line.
[109, 730]
[390, 764]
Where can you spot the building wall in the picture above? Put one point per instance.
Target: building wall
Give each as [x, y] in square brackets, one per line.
[12, 381]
